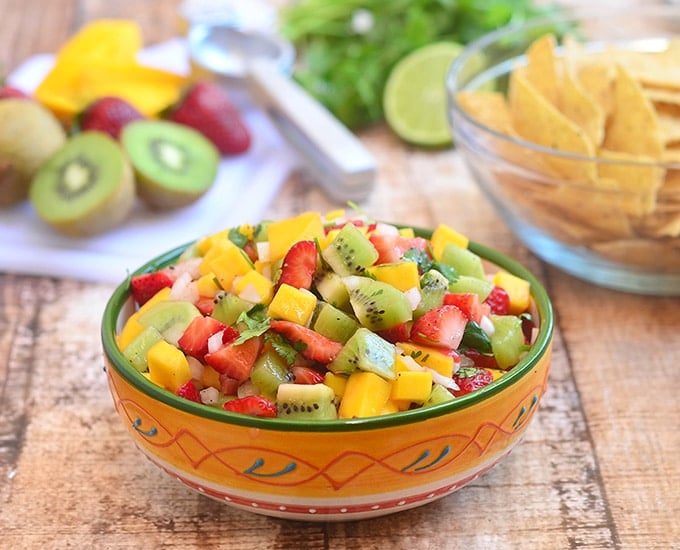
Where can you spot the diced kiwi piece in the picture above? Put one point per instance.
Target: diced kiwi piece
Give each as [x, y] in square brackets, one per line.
[333, 323]
[433, 287]
[466, 283]
[507, 340]
[333, 290]
[170, 318]
[306, 402]
[366, 351]
[350, 252]
[464, 261]
[135, 351]
[86, 187]
[228, 307]
[269, 372]
[439, 394]
[377, 305]
[29, 135]
[174, 164]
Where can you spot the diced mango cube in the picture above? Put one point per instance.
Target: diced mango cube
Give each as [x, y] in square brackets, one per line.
[444, 235]
[292, 304]
[335, 214]
[336, 382]
[407, 232]
[429, 357]
[393, 407]
[254, 287]
[207, 285]
[168, 366]
[210, 377]
[518, 289]
[412, 385]
[365, 395]
[207, 242]
[284, 233]
[228, 265]
[402, 275]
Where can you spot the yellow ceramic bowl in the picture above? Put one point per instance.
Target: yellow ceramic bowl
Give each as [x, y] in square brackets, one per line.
[329, 470]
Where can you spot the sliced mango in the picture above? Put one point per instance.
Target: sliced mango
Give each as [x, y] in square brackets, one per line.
[292, 304]
[168, 366]
[283, 234]
[518, 289]
[254, 287]
[444, 235]
[366, 394]
[401, 275]
[429, 357]
[412, 386]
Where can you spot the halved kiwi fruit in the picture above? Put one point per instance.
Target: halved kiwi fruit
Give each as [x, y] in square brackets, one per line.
[86, 187]
[174, 164]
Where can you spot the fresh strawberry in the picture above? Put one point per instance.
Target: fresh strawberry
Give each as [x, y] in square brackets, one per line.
[499, 301]
[311, 344]
[468, 303]
[194, 341]
[11, 92]
[470, 379]
[235, 360]
[206, 107]
[441, 327]
[205, 305]
[397, 333]
[109, 115]
[228, 385]
[299, 265]
[253, 405]
[306, 375]
[528, 327]
[391, 248]
[146, 285]
[189, 391]
[481, 360]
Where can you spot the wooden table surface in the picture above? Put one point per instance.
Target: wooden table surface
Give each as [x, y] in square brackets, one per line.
[599, 468]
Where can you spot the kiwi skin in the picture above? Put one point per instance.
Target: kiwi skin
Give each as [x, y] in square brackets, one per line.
[29, 134]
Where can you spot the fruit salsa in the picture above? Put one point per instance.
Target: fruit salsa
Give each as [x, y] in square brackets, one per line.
[323, 317]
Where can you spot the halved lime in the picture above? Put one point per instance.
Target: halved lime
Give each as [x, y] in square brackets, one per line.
[414, 99]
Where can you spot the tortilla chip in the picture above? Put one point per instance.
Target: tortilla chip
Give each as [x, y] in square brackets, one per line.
[489, 108]
[638, 179]
[538, 121]
[645, 253]
[541, 68]
[633, 126]
[578, 106]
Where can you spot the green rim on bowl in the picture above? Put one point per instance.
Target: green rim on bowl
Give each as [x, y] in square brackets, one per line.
[121, 296]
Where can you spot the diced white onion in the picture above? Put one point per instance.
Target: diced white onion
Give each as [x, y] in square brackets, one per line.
[209, 395]
[250, 294]
[263, 251]
[413, 296]
[486, 324]
[215, 341]
[246, 389]
[184, 289]
[196, 367]
[189, 266]
[386, 229]
[443, 380]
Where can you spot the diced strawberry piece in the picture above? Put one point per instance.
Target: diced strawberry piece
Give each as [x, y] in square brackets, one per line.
[441, 327]
[194, 341]
[189, 391]
[206, 107]
[145, 286]
[109, 115]
[299, 265]
[397, 333]
[306, 375]
[470, 379]
[253, 405]
[358, 223]
[314, 345]
[481, 360]
[469, 303]
[228, 385]
[498, 300]
[391, 248]
[235, 360]
[12, 92]
[205, 305]
[528, 326]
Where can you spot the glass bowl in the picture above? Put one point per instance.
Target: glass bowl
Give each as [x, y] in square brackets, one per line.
[607, 214]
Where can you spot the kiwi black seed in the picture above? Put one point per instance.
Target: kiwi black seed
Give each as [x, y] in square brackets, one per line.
[305, 401]
[174, 164]
[86, 187]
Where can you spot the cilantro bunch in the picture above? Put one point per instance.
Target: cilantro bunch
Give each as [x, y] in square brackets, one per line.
[346, 48]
